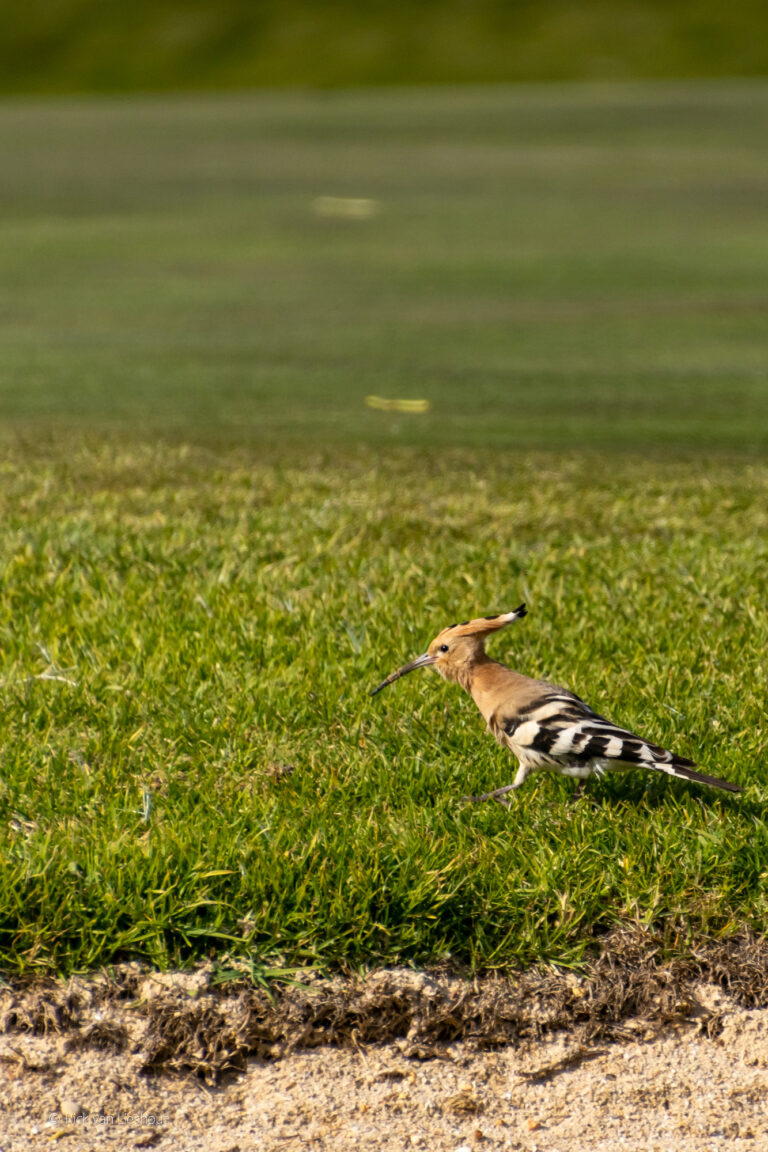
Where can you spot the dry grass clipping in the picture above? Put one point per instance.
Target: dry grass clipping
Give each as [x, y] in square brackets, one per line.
[182, 1022]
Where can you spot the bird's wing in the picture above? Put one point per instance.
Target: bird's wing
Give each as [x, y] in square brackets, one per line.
[560, 728]
[551, 727]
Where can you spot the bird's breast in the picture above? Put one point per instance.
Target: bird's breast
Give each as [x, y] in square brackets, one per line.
[497, 691]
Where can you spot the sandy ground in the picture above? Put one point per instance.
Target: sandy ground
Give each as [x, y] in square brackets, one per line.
[671, 1091]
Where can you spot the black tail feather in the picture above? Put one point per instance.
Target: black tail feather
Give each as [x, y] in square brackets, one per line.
[681, 768]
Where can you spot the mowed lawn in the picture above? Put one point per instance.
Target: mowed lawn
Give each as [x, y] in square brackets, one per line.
[549, 267]
[211, 549]
[191, 763]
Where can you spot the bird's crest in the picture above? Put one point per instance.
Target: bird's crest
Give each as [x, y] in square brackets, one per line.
[485, 624]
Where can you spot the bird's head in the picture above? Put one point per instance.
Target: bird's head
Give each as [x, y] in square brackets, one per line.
[456, 647]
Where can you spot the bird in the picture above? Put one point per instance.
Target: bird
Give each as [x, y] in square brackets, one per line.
[548, 728]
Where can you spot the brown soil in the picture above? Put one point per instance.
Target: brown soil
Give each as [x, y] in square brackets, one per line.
[636, 1055]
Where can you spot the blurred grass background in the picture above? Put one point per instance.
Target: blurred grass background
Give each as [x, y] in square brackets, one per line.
[558, 266]
[105, 45]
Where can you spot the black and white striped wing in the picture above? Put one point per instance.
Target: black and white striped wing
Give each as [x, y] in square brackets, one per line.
[559, 732]
[562, 731]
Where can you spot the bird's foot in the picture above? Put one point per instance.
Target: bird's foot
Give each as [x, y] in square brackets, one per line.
[582, 797]
[495, 795]
[578, 793]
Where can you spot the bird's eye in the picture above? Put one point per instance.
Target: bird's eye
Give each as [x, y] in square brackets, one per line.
[443, 647]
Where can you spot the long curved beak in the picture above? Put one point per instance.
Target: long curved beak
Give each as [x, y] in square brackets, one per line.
[420, 662]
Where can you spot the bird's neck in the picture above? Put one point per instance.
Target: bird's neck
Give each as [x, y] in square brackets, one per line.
[471, 671]
[490, 684]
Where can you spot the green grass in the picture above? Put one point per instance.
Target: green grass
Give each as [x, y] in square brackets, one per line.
[218, 616]
[77, 45]
[551, 267]
[211, 549]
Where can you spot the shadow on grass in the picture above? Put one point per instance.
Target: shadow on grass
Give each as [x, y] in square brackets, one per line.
[657, 793]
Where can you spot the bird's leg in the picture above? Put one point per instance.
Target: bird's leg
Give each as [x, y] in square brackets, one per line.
[489, 795]
[578, 792]
[497, 793]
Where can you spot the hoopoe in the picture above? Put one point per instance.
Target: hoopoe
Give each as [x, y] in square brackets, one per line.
[547, 728]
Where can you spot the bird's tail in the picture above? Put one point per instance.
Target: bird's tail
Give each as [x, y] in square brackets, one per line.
[685, 770]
